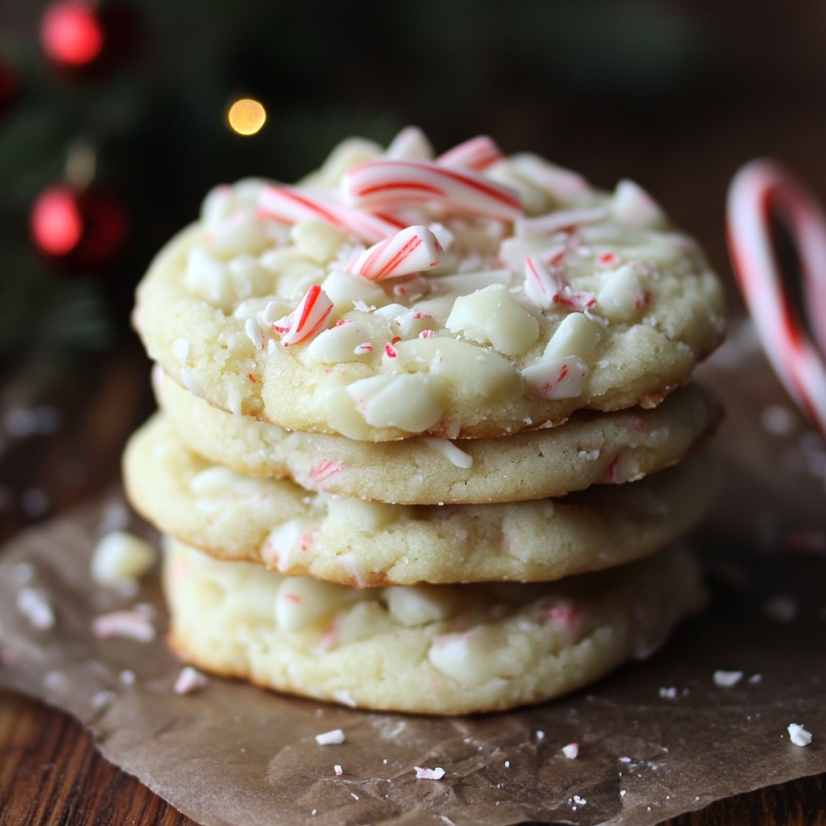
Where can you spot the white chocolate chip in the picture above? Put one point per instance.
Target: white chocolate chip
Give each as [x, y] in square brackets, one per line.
[301, 601]
[208, 278]
[492, 316]
[317, 240]
[409, 402]
[633, 206]
[418, 605]
[474, 656]
[283, 546]
[121, 559]
[338, 344]
[452, 453]
[344, 289]
[576, 335]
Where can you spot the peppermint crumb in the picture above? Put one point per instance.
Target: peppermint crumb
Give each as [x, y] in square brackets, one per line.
[34, 606]
[578, 801]
[668, 693]
[189, 680]
[799, 735]
[727, 679]
[134, 625]
[755, 679]
[384, 761]
[571, 751]
[354, 796]
[623, 792]
[540, 735]
[338, 770]
[314, 812]
[429, 774]
[507, 764]
[101, 699]
[127, 677]
[330, 738]
[781, 608]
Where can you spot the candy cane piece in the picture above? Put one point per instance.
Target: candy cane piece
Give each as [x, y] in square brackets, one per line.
[309, 317]
[477, 154]
[412, 250]
[544, 285]
[381, 184]
[411, 144]
[796, 361]
[563, 219]
[289, 205]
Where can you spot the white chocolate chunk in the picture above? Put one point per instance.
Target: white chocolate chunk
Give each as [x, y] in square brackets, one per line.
[240, 233]
[577, 335]
[316, 239]
[302, 601]
[633, 206]
[474, 656]
[622, 297]
[558, 378]
[419, 605]
[492, 316]
[408, 402]
[121, 559]
[360, 515]
[452, 453]
[330, 738]
[336, 344]
[472, 371]
[343, 289]
[208, 278]
[285, 543]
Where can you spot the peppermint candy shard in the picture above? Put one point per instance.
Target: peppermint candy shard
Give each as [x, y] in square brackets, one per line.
[386, 184]
[542, 284]
[411, 144]
[412, 250]
[477, 154]
[309, 318]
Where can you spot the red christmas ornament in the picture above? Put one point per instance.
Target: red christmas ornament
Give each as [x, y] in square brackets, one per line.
[71, 33]
[80, 229]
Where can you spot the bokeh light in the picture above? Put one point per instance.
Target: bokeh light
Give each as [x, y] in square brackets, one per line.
[246, 116]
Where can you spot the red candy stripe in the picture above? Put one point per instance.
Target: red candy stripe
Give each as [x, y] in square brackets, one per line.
[309, 317]
[412, 250]
[477, 154]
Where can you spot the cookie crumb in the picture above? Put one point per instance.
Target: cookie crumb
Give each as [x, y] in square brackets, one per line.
[571, 751]
[34, 605]
[799, 735]
[337, 770]
[330, 738]
[429, 774]
[727, 679]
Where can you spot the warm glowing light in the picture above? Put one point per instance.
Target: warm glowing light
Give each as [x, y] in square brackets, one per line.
[246, 116]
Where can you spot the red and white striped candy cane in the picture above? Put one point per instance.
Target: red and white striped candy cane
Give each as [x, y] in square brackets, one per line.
[289, 205]
[309, 317]
[757, 188]
[381, 184]
[412, 250]
[477, 154]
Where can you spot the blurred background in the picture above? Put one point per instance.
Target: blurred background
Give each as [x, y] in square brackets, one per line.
[114, 124]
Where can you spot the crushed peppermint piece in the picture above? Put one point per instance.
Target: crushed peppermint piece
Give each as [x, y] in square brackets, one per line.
[363, 349]
[577, 800]
[34, 605]
[337, 770]
[756, 679]
[668, 693]
[571, 751]
[540, 735]
[507, 764]
[354, 796]
[781, 608]
[101, 699]
[134, 625]
[799, 735]
[127, 677]
[429, 774]
[727, 679]
[452, 453]
[189, 681]
[330, 738]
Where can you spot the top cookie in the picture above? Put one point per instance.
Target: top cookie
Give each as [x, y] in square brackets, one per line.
[389, 294]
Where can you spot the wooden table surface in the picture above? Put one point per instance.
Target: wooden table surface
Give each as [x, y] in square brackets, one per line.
[50, 772]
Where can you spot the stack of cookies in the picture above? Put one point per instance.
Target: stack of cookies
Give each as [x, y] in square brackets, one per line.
[425, 428]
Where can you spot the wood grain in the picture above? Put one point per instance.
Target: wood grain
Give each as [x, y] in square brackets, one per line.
[50, 772]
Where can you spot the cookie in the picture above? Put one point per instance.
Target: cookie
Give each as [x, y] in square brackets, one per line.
[433, 650]
[462, 320]
[353, 542]
[608, 448]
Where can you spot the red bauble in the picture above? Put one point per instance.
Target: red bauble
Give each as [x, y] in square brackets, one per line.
[71, 33]
[82, 230]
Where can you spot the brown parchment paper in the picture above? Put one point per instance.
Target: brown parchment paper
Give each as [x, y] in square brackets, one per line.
[232, 755]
